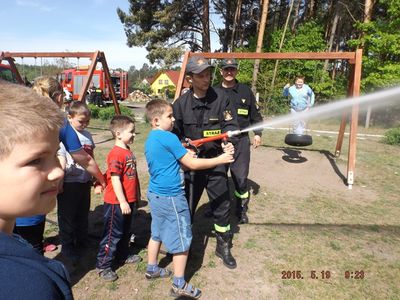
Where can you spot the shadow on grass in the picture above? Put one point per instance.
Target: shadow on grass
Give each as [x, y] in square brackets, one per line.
[293, 155]
[360, 227]
[87, 257]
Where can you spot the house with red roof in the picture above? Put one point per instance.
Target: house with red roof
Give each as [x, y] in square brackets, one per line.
[166, 79]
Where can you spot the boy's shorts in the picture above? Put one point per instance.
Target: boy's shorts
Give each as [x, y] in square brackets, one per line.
[170, 222]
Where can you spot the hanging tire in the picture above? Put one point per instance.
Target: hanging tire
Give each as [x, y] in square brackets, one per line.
[299, 140]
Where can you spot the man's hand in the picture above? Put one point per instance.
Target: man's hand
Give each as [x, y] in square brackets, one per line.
[287, 86]
[256, 141]
[125, 208]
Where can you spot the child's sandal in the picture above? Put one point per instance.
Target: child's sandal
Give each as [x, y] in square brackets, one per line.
[160, 273]
[188, 291]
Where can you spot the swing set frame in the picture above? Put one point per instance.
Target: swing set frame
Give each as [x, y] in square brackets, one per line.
[97, 56]
[353, 89]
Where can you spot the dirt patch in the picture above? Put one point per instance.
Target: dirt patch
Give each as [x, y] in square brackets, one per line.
[300, 172]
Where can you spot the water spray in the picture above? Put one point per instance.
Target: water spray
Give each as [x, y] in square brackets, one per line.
[378, 99]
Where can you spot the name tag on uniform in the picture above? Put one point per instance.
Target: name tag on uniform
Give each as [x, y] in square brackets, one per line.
[208, 133]
[242, 111]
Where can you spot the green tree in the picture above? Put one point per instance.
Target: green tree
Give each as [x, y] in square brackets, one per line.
[381, 40]
[166, 27]
[136, 76]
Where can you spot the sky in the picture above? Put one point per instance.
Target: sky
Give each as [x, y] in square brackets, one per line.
[69, 25]
[73, 25]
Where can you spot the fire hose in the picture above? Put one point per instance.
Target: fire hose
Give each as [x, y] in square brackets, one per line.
[194, 145]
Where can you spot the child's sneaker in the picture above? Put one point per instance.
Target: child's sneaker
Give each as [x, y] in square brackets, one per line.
[187, 291]
[159, 273]
[107, 274]
[132, 259]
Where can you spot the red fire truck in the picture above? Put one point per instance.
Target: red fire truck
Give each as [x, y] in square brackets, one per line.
[72, 80]
[6, 73]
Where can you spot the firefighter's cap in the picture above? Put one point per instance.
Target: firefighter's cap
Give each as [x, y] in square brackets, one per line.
[197, 64]
[229, 63]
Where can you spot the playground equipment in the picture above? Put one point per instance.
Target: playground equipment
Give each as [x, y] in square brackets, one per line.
[97, 56]
[354, 59]
[298, 140]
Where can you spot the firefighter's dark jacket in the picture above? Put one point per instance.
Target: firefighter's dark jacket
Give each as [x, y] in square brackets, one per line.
[244, 105]
[198, 118]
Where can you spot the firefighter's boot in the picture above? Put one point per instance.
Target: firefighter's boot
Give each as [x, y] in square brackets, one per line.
[224, 240]
[242, 205]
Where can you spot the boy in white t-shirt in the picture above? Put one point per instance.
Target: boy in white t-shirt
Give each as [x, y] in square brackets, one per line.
[74, 202]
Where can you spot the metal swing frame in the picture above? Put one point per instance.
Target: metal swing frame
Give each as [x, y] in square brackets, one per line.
[353, 89]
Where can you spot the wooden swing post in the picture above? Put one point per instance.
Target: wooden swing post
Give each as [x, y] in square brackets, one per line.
[354, 58]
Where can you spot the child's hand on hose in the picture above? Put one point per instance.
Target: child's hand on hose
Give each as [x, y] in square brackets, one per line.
[228, 148]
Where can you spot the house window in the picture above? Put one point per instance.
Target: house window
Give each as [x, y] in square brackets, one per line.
[159, 91]
[166, 82]
[160, 81]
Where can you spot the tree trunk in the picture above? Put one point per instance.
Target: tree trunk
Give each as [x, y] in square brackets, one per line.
[333, 32]
[206, 44]
[335, 64]
[310, 10]
[369, 4]
[296, 16]
[259, 43]
[235, 24]
[282, 15]
[281, 44]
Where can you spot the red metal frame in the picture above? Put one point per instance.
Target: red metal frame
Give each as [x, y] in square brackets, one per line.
[354, 58]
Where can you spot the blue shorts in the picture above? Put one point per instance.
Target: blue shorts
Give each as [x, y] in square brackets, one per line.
[170, 223]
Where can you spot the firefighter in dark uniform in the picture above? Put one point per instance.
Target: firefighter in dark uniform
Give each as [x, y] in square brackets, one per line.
[203, 112]
[96, 95]
[246, 112]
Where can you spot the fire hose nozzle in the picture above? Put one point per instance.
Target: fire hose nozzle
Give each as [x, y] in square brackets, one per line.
[233, 133]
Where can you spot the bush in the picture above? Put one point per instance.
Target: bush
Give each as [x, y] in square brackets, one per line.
[94, 110]
[108, 112]
[392, 136]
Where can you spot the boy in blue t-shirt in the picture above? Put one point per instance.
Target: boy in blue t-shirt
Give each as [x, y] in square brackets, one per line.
[29, 178]
[171, 223]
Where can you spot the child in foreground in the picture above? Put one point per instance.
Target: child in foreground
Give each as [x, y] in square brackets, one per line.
[73, 203]
[171, 223]
[120, 195]
[29, 177]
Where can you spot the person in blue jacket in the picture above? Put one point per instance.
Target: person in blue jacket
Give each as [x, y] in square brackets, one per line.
[301, 99]
[29, 177]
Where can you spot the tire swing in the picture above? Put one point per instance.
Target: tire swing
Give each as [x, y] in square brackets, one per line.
[298, 140]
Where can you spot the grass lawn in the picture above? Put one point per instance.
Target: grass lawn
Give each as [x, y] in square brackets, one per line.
[309, 237]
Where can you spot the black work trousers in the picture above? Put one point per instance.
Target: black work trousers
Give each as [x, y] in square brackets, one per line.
[32, 234]
[215, 181]
[73, 207]
[240, 167]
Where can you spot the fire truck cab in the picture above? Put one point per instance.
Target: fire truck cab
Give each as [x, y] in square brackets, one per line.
[6, 73]
[72, 80]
